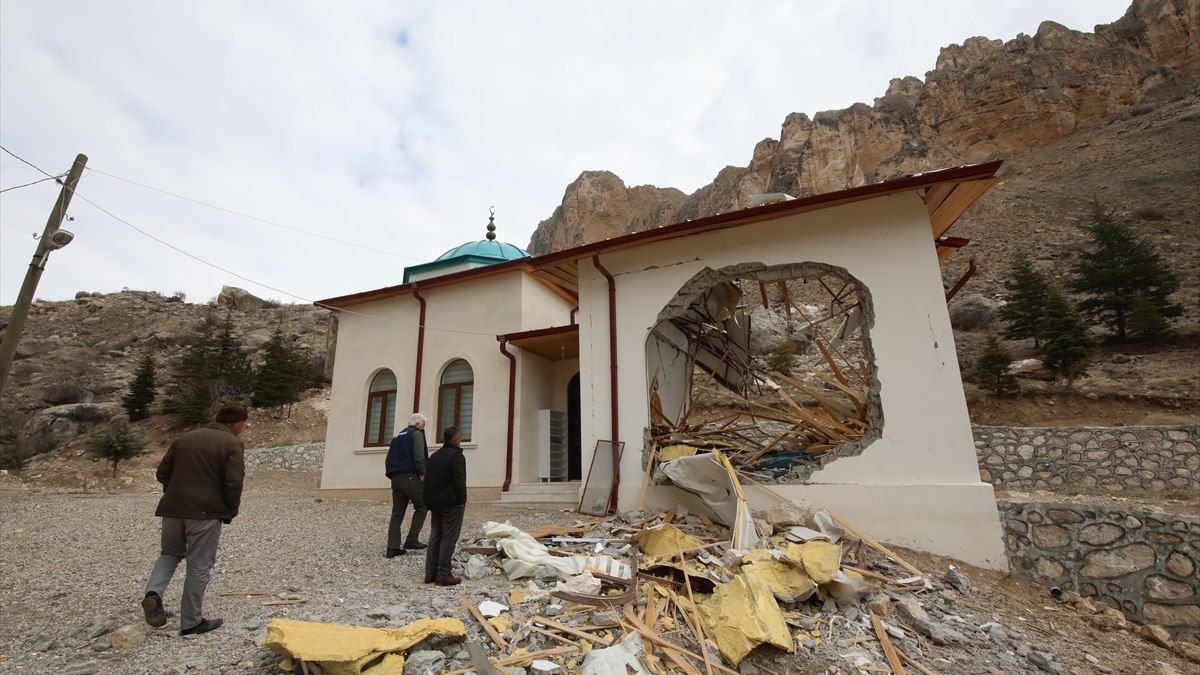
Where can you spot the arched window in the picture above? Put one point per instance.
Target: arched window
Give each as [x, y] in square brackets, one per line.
[455, 398]
[381, 409]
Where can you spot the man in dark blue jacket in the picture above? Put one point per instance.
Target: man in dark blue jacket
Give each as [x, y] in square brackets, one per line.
[405, 467]
[446, 496]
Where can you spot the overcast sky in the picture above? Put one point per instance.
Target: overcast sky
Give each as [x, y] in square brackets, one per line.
[303, 150]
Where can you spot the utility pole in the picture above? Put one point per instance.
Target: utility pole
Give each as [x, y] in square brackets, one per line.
[48, 242]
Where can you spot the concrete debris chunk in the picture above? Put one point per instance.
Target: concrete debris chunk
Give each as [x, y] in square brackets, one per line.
[1045, 661]
[620, 658]
[425, 661]
[912, 612]
[958, 580]
[99, 626]
[584, 584]
[544, 667]
[478, 567]
[786, 514]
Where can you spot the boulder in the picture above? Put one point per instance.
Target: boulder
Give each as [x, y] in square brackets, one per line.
[53, 428]
[973, 312]
[237, 298]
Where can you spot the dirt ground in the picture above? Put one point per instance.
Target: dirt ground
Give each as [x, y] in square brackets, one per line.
[1024, 609]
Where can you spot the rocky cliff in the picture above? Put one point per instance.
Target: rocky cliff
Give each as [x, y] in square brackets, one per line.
[983, 99]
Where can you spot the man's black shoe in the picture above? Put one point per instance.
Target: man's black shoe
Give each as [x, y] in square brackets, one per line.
[415, 546]
[393, 552]
[153, 609]
[204, 626]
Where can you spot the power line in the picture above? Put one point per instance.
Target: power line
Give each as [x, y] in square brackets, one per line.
[198, 259]
[250, 217]
[215, 207]
[38, 169]
[33, 183]
[262, 285]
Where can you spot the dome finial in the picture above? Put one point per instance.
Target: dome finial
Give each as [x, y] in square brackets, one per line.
[491, 235]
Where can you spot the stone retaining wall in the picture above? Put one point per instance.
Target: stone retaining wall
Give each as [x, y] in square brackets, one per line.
[307, 457]
[1143, 563]
[1151, 459]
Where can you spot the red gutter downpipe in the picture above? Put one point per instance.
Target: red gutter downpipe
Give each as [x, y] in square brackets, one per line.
[961, 282]
[574, 311]
[612, 358]
[420, 352]
[512, 396]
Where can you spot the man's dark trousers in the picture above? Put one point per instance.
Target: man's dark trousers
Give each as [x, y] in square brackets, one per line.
[444, 528]
[406, 487]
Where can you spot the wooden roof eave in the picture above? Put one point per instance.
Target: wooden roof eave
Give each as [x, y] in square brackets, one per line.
[947, 194]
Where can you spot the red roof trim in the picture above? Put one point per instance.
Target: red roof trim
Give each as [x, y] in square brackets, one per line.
[732, 219]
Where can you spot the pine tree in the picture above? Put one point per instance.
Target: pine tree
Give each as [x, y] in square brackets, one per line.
[991, 371]
[116, 443]
[214, 368]
[1145, 319]
[1120, 265]
[780, 360]
[1023, 312]
[141, 391]
[283, 374]
[1067, 344]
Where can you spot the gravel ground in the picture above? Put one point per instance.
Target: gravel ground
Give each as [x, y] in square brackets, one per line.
[73, 567]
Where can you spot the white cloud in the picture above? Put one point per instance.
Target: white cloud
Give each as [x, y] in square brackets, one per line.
[396, 125]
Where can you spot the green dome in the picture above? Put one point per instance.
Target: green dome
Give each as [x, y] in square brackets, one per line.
[495, 250]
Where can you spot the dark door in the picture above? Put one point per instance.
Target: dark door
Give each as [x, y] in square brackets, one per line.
[574, 435]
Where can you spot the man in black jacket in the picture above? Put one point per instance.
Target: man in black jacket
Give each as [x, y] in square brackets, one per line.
[202, 475]
[446, 499]
[405, 468]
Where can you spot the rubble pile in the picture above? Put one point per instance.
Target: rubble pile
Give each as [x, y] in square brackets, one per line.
[729, 591]
[668, 593]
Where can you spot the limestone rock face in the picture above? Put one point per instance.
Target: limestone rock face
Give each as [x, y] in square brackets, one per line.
[984, 98]
[1161, 30]
[733, 186]
[597, 206]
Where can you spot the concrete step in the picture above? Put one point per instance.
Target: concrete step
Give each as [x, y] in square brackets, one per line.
[542, 493]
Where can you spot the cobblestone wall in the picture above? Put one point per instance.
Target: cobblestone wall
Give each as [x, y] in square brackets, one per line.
[306, 457]
[1139, 458]
[1143, 563]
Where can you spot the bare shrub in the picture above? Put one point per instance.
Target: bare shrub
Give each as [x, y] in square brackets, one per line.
[62, 391]
[1150, 213]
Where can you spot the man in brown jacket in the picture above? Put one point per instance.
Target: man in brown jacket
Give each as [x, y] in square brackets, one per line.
[202, 475]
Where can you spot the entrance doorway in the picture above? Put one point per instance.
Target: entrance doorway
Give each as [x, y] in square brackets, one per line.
[574, 435]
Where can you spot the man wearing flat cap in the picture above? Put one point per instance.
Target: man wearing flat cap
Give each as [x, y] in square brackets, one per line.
[202, 476]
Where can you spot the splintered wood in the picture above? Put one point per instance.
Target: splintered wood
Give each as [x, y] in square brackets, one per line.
[808, 396]
[696, 610]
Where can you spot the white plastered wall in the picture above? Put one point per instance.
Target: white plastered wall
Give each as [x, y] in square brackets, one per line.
[462, 321]
[918, 484]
